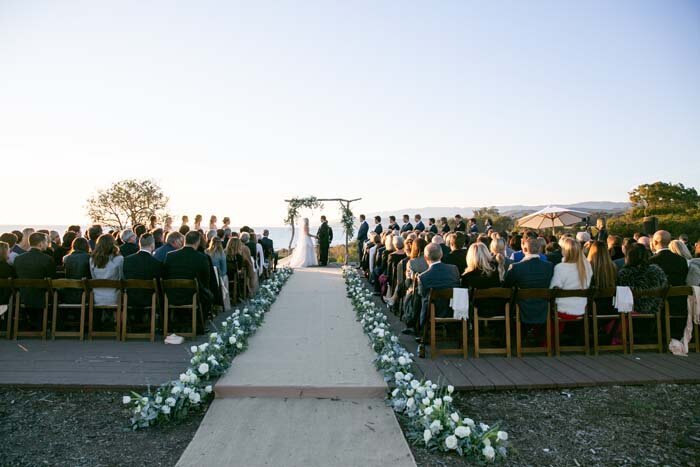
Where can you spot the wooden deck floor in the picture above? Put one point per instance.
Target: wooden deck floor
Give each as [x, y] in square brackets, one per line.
[542, 372]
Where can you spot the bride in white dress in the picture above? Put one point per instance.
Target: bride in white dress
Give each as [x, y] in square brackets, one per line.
[304, 255]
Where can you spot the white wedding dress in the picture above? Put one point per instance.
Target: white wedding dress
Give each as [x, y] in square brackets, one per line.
[304, 255]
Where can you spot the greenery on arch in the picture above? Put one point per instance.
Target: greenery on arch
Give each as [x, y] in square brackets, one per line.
[293, 207]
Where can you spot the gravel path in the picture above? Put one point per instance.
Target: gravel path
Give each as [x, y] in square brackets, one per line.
[42, 427]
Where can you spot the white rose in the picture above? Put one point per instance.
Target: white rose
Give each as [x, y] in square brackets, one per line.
[434, 386]
[437, 402]
[203, 369]
[232, 340]
[427, 436]
[436, 426]
[208, 389]
[194, 349]
[184, 378]
[394, 392]
[502, 436]
[165, 409]
[408, 377]
[410, 392]
[430, 394]
[144, 400]
[176, 390]
[239, 345]
[489, 453]
[195, 397]
[428, 411]
[484, 427]
[410, 402]
[455, 417]
[462, 431]
[126, 400]
[487, 442]
[402, 361]
[451, 442]
[159, 400]
[469, 422]
[450, 389]
[447, 399]
[398, 376]
[426, 401]
[415, 383]
[187, 391]
[170, 402]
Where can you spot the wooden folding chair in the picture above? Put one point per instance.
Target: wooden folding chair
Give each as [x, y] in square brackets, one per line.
[445, 294]
[8, 286]
[679, 291]
[558, 348]
[657, 293]
[59, 285]
[486, 294]
[525, 294]
[183, 284]
[604, 295]
[93, 284]
[131, 285]
[35, 284]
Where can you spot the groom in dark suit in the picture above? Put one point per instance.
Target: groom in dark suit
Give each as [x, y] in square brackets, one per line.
[324, 237]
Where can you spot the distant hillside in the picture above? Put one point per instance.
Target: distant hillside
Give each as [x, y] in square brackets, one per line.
[509, 210]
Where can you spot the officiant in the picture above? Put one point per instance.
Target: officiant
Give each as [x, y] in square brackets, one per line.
[324, 237]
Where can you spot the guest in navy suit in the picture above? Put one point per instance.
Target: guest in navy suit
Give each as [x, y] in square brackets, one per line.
[392, 223]
[460, 226]
[675, 267]
[407, 226]
[378, 225]
[438, 276]
[420, 227]
[531, 273]
[362, 236]
[143, 266]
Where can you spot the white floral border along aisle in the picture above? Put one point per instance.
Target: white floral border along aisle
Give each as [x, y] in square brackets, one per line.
[173, 400]
[432, 419]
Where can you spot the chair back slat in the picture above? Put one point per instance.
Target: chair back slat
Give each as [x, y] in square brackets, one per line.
[561, 293]
[436, 294]
[679, 291]
[649, 293]
[179, 284]
[495, 292]
[68, 284]
[104, 284]
[32, 283]
[140, 284]
[524, 294]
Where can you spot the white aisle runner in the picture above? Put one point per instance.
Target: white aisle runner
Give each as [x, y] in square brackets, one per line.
[305, 392]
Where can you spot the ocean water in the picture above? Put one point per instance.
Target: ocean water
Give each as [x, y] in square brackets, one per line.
[279, 235]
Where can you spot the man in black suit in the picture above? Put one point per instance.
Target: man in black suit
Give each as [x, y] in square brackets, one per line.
[675, 267]
[128, 246]
[393, 225]
[35, 264]
[531, 273]
[420, 227]
[188, 263]
[143, 266]
[407, 226]
[439, 240]
[378, 225]
[268, 249]
[438, 276]
[458, 252]
[93, 233]
[432, 228]
[324, 237]
[362, 233]
[460, 226]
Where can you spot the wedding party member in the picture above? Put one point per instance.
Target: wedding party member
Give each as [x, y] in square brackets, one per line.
[143, 266]
[473, 228]
[432, 227]
[407, 226]
[378, 224]
[362, 236]
[212, 223]
[168, 224]
[638, 273]
[445, 226]
[185, 222]
[129, 243]
[679, 247]
[420, 227]
[197, 223]
[106, 263]
[324, 237]
[173, 242]
[458, 252]
[531, 273]
[227, 223]
[601, 226]
[460, 226]
[393, 225]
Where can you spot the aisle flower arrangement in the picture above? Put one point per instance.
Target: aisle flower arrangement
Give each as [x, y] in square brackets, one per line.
[432, 417]
[173, 400]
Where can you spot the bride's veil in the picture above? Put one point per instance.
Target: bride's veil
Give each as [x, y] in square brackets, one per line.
[302, 232]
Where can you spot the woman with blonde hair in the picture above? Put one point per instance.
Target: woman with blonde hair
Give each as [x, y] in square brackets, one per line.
[679, 248]
[573, 273]
[498, 256]
[106, 263]
[482, 273]
[212, 223]
[218, 259]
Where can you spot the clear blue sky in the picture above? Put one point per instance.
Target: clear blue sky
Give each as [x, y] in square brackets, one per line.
[233, 106]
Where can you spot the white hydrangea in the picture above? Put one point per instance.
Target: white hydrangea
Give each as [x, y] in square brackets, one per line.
[203, 369]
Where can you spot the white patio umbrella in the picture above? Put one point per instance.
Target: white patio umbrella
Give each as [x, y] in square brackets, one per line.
[552, 216]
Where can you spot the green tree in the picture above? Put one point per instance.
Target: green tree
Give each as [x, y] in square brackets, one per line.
[500, 223]
[662, 198]
[127, 203]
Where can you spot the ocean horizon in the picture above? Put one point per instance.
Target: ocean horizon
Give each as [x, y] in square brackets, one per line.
[279, 235]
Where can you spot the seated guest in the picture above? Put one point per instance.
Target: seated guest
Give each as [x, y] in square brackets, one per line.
[57, 247]
[66, 245]
[106, 263]
[573, 273]
[157, 234]
[249, 263]
[458, 253]
[675, 267]
[77, 261]
[407, 226]
[553, 252]
[645, 241]
[639, 274]
[17, 249]
[34, 264]
[440, 241]
[93, 233]
[11, 240]
[445, 226]
[143, 266]
[129, 240]
[602, 234]
[140, 229]
[183, 230]
[218, 258]
[473, 228]
[532, 272]
[437, 276]
[499, 258]
[259, 254]
[393, 260]
[482, 273]
[375, 241]
[679, 248]
[514, 245]
[419, 227]
[173, 241]
[6, 272]
[626, 243]
[24, 244]
[432, 227]
[583, 237]
[188, 263]
[615, 247]
[519, 255]
[604, 277]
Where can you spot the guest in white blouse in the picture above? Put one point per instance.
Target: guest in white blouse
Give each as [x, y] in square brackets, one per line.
[106, 263]
[573, 273]
[259, 255]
